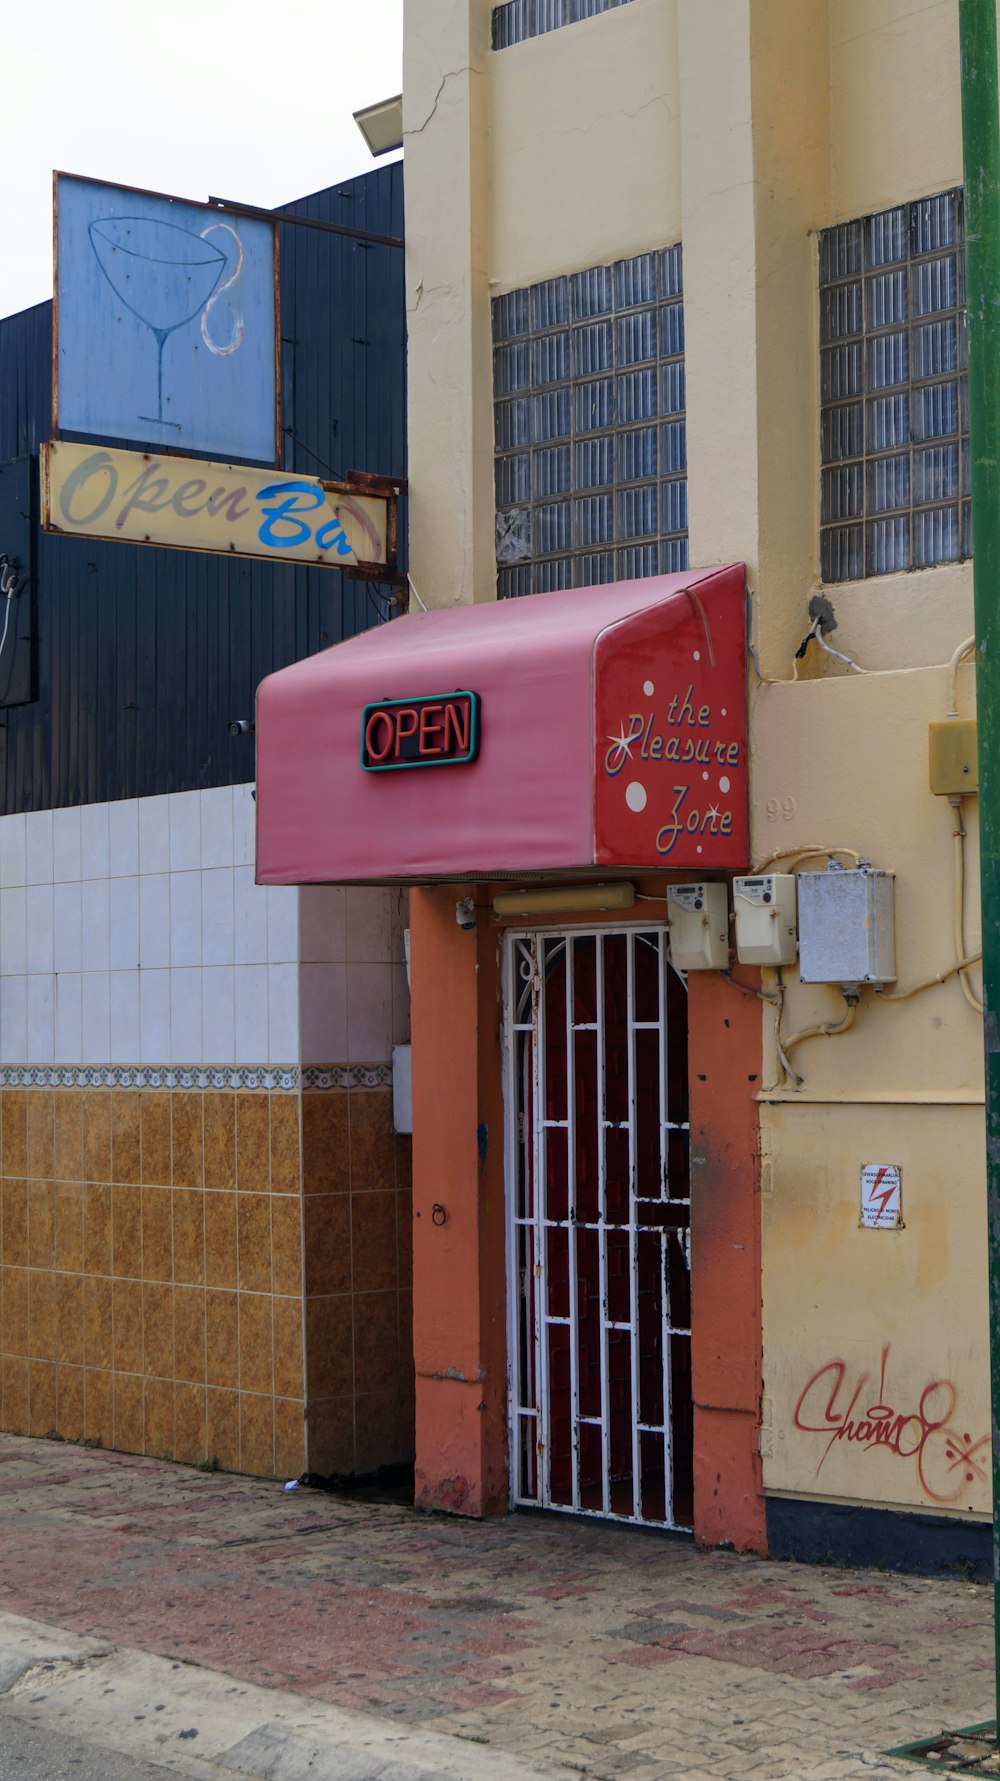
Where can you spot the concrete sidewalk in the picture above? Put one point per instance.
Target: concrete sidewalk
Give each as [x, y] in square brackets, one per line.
[92, 1703]
[594, 1648]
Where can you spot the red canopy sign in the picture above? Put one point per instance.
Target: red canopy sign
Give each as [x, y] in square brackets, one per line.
[614, 735]
[670, 733]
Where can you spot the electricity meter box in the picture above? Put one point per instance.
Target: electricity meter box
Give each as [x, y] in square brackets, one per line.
[698, 915]
[766, 930]
[953, 758]
[846, 932]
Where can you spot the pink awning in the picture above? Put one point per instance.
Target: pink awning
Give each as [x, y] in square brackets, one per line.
[611, 731]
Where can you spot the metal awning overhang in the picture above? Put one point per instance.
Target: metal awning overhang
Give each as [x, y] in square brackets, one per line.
[612, 737]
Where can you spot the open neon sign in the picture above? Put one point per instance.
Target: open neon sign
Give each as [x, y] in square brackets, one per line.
[441, 730]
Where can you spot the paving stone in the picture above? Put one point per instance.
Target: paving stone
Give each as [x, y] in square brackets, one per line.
[597, 1647]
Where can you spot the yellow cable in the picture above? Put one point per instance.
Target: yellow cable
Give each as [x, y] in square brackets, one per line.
[903, 995]
[959, 909]
[778, 1002]
[959, 654]
[794, 854]
[825, 1030]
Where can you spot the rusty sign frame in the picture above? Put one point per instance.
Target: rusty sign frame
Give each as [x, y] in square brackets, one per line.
[357, 483]
[389, 489]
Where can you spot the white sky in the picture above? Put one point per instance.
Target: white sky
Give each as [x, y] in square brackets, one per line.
[249, 100]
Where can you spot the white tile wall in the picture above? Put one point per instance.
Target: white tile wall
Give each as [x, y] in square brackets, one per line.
[66, 846]
[250, 903]
[282, 924]
[323, 1014]
[400, 1006]
[67, 926]
[133, 933]
[217, 915]
[369, 1012]
[95, 923]
[123, 824]
[154, 1016]
[322, 923]
[154, 920]
[185, 1012]
[369, 925]
[13, 931]
[154, 835]
[39, 846]
[124, 1042]
[14, 1022]
[69, 1017]
[251, 1013]
[124, 911]
[13, 852]
[244, 826]
[217, 827]
[95, 841]
[41, 1019]
[282, 1012]
[218, 1017]
[185, 918]
[39, 919]
[96, 1017]
[184, 813]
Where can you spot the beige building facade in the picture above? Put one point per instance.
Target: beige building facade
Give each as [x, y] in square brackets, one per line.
[804, 402]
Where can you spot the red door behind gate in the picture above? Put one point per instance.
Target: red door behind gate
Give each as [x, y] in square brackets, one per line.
[599, 1228]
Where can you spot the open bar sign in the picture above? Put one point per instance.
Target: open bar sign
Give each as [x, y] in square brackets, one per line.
[177, 304]
[441, 730]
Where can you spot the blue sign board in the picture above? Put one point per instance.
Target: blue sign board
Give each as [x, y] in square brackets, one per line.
[166, 322]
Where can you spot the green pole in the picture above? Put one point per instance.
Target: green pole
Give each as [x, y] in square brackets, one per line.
[981, 150]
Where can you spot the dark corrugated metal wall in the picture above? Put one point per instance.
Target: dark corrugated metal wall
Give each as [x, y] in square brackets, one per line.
[145, 655]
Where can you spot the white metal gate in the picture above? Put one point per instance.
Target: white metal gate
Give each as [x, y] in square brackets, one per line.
[599, 1265]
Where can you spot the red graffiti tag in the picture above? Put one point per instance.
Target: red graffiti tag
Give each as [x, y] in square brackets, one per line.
[924, 1435]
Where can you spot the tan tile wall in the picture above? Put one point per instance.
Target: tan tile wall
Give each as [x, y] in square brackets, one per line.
[151, 1279]
[358, 1281]
[153, 1295]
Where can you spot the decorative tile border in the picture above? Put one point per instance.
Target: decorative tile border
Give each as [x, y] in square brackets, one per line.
[347, 1076]
[207, 1076]
[270, 1078]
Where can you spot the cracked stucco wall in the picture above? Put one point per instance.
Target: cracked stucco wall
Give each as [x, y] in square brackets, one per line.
[559, 153]
[895, 133]
[449, 359]
[742, 127]
[585, 145]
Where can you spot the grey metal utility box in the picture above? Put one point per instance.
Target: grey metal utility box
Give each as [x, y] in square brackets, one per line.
[846, 931]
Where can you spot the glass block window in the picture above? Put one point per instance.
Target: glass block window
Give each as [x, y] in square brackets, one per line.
[591, 454]
[894, 424]
[519, 19]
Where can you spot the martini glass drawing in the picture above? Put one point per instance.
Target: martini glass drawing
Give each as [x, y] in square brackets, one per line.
[162, 273]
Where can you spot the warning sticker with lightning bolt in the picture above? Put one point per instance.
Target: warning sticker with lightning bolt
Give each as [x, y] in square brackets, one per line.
[881, 1196]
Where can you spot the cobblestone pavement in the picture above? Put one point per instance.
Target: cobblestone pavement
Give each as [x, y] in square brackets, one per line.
[608, 1650]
